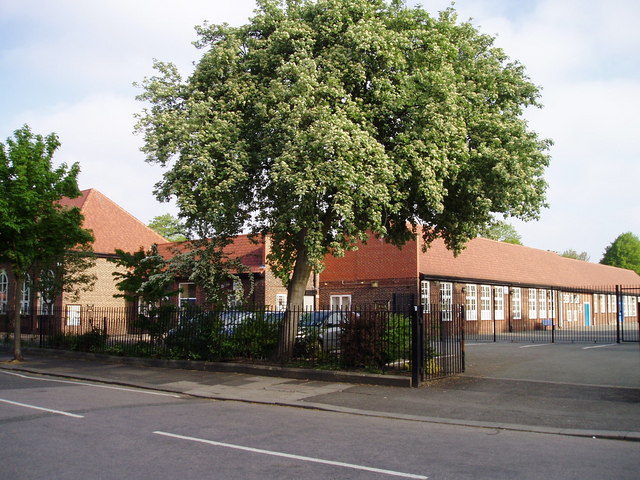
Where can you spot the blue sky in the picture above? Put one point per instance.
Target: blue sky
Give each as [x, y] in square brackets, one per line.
[68, 66]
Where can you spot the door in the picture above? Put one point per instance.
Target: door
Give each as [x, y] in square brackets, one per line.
[587, 314]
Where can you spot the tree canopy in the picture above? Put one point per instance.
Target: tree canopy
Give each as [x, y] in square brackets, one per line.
[623, 252]
[322, 122]
[169, 227]
[36, 231]
[571, 253]
[502, 232]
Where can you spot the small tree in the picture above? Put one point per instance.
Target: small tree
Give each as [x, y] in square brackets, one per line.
[624, 252]
[169, 227]
[35, 230]
[502, 232]
[571, 253]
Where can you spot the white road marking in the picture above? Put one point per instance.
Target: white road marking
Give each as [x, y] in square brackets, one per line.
[49, 410]
[599, 346]
[535, 345]
[294, 457]
[123, 389]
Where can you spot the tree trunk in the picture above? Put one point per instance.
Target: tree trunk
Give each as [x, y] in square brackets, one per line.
[295, 304]
[17, 349]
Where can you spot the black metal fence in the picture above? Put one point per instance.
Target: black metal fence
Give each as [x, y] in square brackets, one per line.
[362, 339]
[569, 315]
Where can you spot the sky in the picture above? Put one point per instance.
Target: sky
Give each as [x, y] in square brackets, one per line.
[69, 67]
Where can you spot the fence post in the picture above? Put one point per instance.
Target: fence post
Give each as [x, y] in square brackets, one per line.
[416, 360]
[618, 312]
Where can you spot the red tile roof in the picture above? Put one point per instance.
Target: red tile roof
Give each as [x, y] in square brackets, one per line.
[112, 226]
[252, 254]
[494, 261]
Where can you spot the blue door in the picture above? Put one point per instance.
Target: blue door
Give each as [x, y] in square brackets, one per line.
[587, 314]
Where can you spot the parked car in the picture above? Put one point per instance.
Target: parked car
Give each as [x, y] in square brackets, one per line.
[322, 326]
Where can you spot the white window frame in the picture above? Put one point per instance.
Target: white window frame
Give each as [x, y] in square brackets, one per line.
[498, 302]
[25, 296]
[533, 305]
[516, 302]
[446, 300]
[73, 315]
[340, 302]
[4, 291]
[425, 295]
[236, 295]
[183, 299]
[471, 302]
[485, 302]
[281, 302]
[542, 304]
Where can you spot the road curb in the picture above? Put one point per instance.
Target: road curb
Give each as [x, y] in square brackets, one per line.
[230, 367]
[600, 434]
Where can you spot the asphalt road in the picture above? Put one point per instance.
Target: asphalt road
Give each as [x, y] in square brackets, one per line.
[54, 428]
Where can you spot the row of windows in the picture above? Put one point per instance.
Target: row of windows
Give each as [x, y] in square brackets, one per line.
[541, 303]
[44, 304]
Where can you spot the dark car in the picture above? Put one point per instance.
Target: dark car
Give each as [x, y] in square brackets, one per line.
[323, 326]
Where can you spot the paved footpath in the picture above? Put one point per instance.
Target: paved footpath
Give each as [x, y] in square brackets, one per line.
[505, 386]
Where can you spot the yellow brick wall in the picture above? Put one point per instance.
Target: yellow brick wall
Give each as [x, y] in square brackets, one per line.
[103, 290]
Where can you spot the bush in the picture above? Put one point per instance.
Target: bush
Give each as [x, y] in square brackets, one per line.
[375, 339]
[156, 322]
[256, 337]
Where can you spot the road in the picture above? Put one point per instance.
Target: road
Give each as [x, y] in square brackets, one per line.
[54, 428]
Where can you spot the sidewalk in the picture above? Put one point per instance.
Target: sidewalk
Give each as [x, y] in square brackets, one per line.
[605, 411]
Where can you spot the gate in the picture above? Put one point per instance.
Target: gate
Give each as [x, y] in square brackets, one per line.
[438, 342]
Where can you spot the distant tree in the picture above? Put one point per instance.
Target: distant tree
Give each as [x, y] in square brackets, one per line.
[35, 230]
[169, 227]
[571, 253]
[502, 232]
[624, 252]
[322, 122]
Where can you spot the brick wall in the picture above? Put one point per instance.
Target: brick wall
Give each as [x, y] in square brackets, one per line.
[103, 290]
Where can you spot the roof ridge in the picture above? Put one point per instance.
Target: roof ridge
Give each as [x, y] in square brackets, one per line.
[94, 192]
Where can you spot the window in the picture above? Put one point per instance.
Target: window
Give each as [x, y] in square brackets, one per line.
[603, 304]
[425, 295]
[516, 302]
[485, 302]
[498, 302]
[472, 302]
[533, 309]
[446, 300]
[44, 302]
[187, 294]
[340, 302]
[236, 295]
[281, 302]
[4, 291]
[73, 315]
[542, 303]
[25, 299]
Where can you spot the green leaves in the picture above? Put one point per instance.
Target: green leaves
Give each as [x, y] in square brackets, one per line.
[35, 229]
[323, 121]
[624, 252]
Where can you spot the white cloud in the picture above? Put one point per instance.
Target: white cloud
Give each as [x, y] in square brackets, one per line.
[72, 63]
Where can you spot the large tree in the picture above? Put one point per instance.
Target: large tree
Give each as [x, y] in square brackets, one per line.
[623, 252]
[322, 122]
[36, 232]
